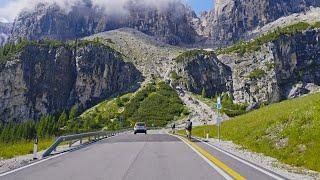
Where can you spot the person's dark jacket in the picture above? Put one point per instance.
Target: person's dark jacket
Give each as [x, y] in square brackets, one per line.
[189, 126]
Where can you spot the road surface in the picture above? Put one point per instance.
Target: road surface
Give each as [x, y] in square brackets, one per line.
[156, 156]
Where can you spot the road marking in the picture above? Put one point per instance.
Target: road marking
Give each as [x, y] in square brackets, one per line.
[223, 169]
[49, 158]
[244, 162]
[29, 165]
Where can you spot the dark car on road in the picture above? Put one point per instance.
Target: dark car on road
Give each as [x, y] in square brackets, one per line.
[140, 127]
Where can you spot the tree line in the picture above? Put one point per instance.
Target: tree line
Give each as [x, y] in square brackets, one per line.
[46, 127]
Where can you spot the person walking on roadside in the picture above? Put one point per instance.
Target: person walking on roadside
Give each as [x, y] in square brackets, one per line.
[173, 128]
[188, 128]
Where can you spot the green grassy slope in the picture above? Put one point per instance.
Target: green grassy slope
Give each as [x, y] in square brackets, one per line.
[288, 131]
[156, 104]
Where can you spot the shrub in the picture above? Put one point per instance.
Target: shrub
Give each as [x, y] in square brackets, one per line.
[192, 54]
[257, 74]
[175, 76]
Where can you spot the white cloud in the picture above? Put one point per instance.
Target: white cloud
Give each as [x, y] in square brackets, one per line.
[14, 7]
[3, 20]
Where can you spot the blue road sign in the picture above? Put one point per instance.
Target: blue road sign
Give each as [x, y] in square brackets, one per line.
[219, 106]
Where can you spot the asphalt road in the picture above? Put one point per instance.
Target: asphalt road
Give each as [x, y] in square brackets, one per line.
[136, 157]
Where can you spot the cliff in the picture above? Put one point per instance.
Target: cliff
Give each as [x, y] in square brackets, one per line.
[169, 24]
[234, 18]
[4, 32]
[199, 70]
[286, 67]
[47, 78]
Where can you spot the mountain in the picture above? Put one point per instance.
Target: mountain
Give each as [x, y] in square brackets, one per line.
[234, 18]
[199, 70]
[168, 24]
[150, 56]
[41, 78]
[279, 65]
[4, 32]
[278, 61]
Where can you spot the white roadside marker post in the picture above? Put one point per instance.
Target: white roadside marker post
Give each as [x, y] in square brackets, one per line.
[219, 107]
[35, 148]
[206, 131]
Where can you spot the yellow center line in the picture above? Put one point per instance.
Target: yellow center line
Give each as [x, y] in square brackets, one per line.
[214, 160]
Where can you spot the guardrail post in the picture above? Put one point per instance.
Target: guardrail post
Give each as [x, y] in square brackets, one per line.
[80, 141]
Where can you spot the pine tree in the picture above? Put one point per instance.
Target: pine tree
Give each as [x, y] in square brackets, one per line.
[203, 93]
[63, 119]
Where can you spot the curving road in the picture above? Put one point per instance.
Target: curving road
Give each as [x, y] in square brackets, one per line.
[156, 156]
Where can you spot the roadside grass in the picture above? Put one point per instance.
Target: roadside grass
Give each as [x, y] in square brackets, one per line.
[228, 108]
[288, 131]
[10, 150]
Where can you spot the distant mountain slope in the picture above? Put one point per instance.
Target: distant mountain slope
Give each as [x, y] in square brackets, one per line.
[311, 16]
[234, 18]
[168, 25]
[150, 56]
[4, 32]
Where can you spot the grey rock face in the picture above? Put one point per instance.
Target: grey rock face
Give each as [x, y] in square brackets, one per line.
[203, 71]
[290, 66]
[203, 24]
[4, 32]
[262, 89]
[233, 18]
[169, 25]
[45, 80]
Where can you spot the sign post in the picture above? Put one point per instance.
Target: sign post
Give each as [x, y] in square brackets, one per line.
[219, 107]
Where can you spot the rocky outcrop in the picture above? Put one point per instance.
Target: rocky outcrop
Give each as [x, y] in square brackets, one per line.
[285, 68]
[203, 24]
[199, 70]
[151, 57]
[4, 32]
[47, 79]
[234, 18]
[169, 25]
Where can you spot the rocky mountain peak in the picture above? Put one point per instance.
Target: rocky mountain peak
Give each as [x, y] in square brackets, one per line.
[233, 18]
[166, 23]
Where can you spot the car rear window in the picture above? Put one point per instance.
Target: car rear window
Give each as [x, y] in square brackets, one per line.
[140, 124]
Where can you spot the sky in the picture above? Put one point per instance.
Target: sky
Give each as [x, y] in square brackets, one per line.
[197, 5]
[200, 5]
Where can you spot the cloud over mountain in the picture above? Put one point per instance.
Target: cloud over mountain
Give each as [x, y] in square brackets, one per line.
[13, 8]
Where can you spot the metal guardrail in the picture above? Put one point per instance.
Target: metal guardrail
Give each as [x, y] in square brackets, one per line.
[96, 135]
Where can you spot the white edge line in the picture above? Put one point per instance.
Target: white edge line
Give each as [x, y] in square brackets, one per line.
[35, 163]
[220, 171]
[32, 164]
[244, 162]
